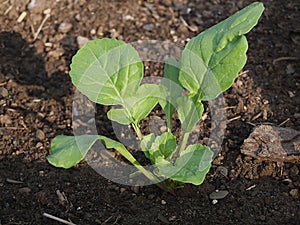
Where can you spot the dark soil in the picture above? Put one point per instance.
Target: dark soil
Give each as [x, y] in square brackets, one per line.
[36, 105]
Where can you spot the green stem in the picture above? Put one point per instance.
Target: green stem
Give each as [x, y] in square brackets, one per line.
[137, 131]
[184, 142]
[124, 152]
[181, 146]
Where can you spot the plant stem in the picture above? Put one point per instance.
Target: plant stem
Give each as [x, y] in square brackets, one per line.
[181, 147]
[124, 152]
[137, 131]
[184, 142]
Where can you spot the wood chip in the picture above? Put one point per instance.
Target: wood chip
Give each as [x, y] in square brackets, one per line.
[270, 143]
[21, 17]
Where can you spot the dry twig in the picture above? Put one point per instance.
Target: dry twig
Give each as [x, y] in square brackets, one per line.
[58, 219]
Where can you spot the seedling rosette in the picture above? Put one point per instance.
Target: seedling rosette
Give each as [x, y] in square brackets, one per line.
[109, 72]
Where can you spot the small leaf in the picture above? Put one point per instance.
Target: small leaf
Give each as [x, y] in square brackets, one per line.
[191, 166]
[172, 89]
[144, 100]
[163, 146]
[146, 144]
[67, 151]
[107, 70]
[119, 115]
[211, 61]
[189, 112]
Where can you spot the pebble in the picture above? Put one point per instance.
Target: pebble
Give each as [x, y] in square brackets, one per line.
[25, 190]
[214, 201]
[40, 135]
[81, 41]
[163, 202]
[135, 189]
[148, 27]
[3, 92]
[218, 194]
[65, 27]
[163, 129]
[297, 115]
[294, 193]
[78, 17]
[122, 190]
[294, 171]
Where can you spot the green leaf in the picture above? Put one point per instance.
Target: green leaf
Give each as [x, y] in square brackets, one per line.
[211, 61]
[144, 100]
[146, 144]
[189, 112]
[67, 151]
[163, 146]
[120, 116]
[107, 70]
[191, 166]
[172, 89]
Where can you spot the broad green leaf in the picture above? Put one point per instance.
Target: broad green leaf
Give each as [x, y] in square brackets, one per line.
[107, 70]
[144, 100]
[191, 166]
[189, 112]
[146, 144]
[163, 146]
[211, 61]
[172, 89]
[120, 116]
[67, 151]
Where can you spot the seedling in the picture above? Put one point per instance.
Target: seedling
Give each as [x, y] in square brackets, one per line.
[109, 72]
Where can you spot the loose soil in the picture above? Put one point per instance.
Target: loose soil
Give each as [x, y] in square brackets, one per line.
[36, 105]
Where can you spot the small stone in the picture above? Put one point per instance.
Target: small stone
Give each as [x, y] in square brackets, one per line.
[218, 194]
[163, 202]
[215, 201]
[39, 145]
[163, 129]
[297, 115]
[163, 219]
[122, 190]
[65, 27]
[290, 69]
[47, 11]
[78, 17]
[3, 92]
[294, 171]
[294, 193]
[135, 189]
[32, 4]
[81, 41]
[148, 27]
[25, 190]
[93, 31]
[40, 135]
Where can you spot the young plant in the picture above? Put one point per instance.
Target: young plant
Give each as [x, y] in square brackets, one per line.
[109, 72]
